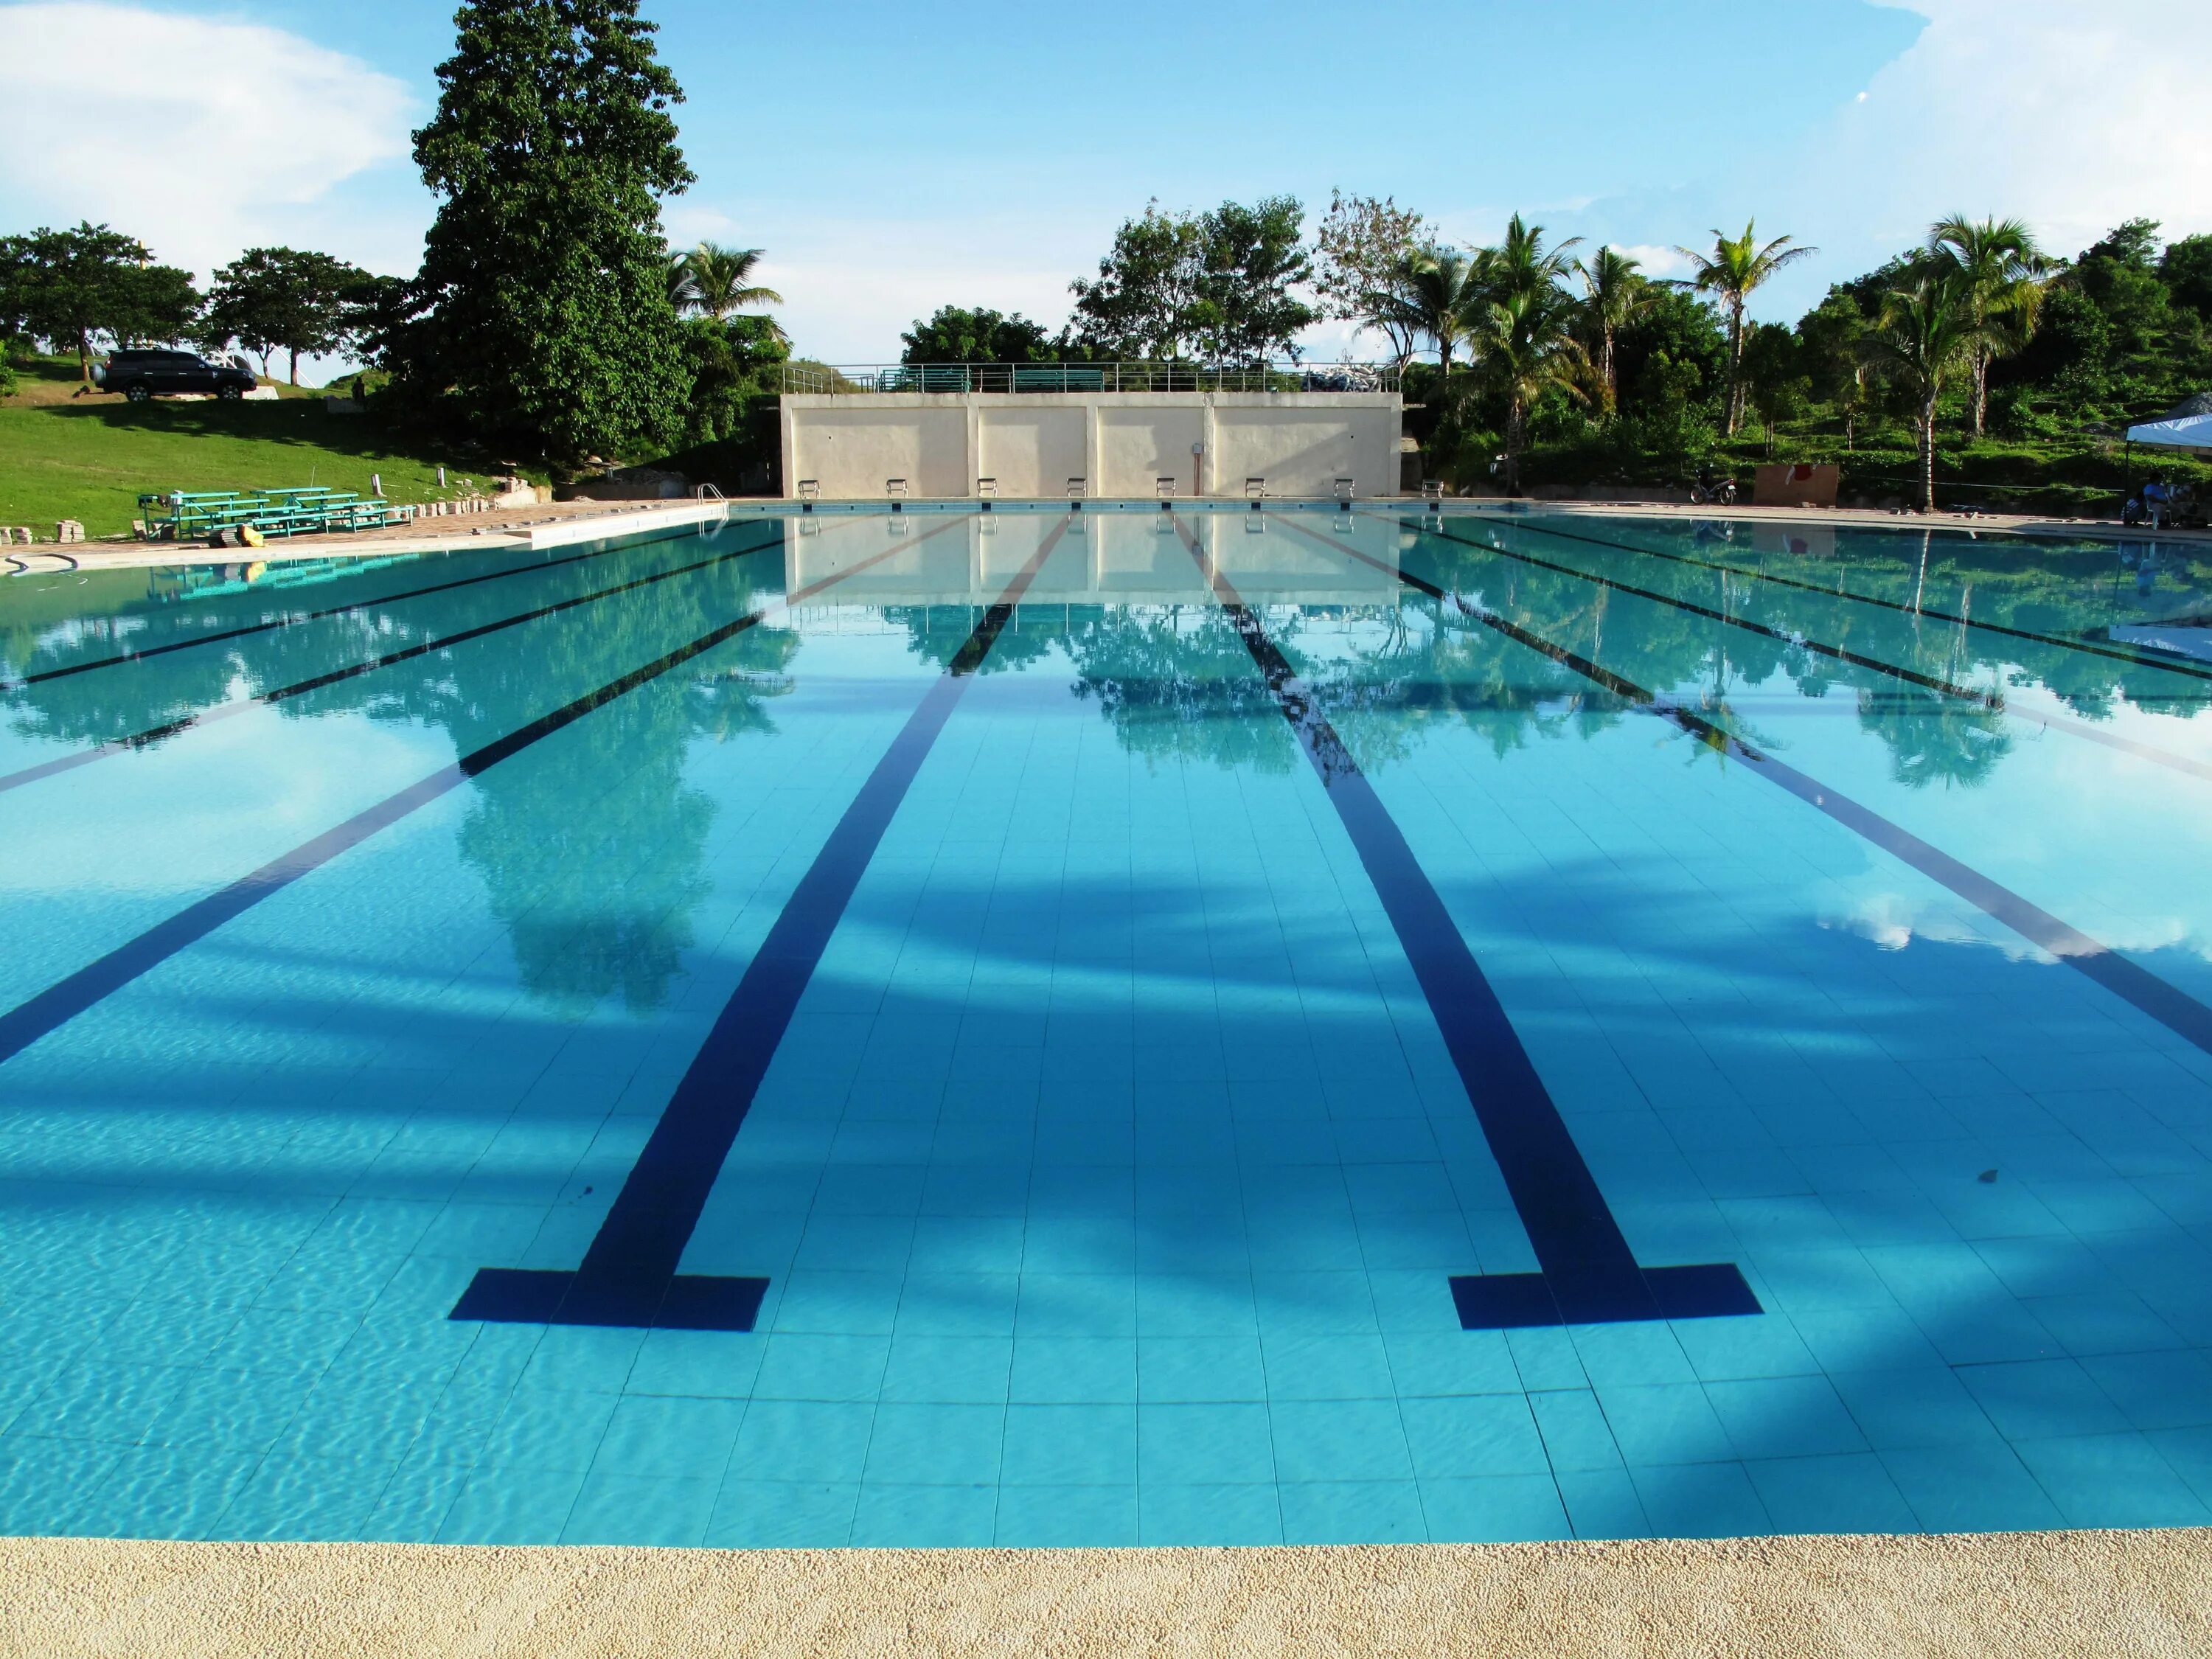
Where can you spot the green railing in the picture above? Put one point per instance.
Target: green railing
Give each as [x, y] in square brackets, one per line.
[860, 378]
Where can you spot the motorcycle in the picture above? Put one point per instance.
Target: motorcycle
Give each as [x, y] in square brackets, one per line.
[1711, 491]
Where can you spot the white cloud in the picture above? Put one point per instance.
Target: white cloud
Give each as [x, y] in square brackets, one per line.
[2071, 116]
[1655, 260]
[853, 287]
[198, 135]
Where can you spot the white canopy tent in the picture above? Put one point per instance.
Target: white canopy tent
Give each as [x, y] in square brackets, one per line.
[2188, 425]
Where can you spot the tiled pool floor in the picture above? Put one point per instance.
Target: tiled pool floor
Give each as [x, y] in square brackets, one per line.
[946, 1061]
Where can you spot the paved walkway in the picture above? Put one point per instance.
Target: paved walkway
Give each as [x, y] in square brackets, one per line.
[549, 524]
[2020, 1596]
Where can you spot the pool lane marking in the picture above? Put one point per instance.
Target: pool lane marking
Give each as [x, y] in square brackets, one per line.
[224, 711]
[295, 618]
[1589, 1274]
[2167, 1004]
[67, 998]
[2089, 646]
[1994, 703]
[629, 1277]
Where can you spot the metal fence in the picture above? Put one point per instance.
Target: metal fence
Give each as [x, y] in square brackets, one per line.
[849, 379]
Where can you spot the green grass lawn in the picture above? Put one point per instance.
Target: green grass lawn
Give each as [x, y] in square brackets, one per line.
[89, 458]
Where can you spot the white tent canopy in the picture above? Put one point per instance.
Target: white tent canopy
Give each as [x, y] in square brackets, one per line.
[2188, 425]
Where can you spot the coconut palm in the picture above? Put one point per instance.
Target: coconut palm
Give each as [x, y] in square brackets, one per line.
[2003, 271]
[1521, 264]
[1928, 334]
[1524, 342]
[722, 278]
[1436, 290]
[683, 290]
[1614, 295]
[1736, 267]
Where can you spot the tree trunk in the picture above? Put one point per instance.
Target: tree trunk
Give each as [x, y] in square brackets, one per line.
[1981, 390]
[84, 357]
[1605, 370]
[1735, 367]
[1928, 454]
[295, 365]
[1514, 422]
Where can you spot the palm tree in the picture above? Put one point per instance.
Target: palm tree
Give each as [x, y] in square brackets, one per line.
[1437, 289]
[1614, 295]
[1731, 271]
[722, 278]
[683, 289]
[1928, 333]
[1525, 344]
[1519, 264]
[2002, 269]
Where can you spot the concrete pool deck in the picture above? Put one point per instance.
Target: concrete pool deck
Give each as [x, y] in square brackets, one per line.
[562, 523]
[2032, 1595]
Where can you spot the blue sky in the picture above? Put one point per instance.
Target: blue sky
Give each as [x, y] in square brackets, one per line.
[894, 157]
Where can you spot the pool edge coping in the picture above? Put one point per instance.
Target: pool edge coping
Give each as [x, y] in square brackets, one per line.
[2147, 1592]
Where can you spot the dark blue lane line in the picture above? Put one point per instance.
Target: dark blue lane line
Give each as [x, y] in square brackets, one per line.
[1589, 1274]
[299, 688]
[2089, 646]
[294, 619]
[66, 999]
[2167, 1004]
[2049, 722]
[629, 1276]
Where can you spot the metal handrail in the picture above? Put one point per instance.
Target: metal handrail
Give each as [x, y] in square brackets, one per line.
[857, 379]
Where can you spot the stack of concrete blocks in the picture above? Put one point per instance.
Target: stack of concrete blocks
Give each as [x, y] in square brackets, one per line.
[69, 529]
[10, 533]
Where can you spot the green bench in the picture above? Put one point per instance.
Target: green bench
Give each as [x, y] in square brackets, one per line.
[186, 515]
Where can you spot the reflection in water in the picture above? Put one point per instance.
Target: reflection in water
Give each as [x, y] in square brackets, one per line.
[596, 887]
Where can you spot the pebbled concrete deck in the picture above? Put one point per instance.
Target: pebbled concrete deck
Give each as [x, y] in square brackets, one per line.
[2037, 1596]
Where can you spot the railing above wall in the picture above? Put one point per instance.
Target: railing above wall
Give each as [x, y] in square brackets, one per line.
[843, 379]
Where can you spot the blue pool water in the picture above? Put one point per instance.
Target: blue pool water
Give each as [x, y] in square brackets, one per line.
[1132, 1028]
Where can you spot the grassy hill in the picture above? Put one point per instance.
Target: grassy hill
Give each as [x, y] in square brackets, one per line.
[90, 458]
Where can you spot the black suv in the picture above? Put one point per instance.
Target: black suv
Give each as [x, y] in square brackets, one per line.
[139, 375]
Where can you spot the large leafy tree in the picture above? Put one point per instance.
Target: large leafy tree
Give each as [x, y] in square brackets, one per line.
[1144, 301]
[1364, 244]
[542, 313]
[2185, 267]
[77, 287]
[1737, 266]
[956, 335]
[1222, 284]
[2002, 270]
[1255, 260]
[273, 298]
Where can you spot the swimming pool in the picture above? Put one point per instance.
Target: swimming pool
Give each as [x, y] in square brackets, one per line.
[1126, 1027]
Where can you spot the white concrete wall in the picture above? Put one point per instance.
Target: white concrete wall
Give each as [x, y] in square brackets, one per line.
[858, 444]
[1033, 451]
[1121, 442]
[1300, 451]
[1138, 446]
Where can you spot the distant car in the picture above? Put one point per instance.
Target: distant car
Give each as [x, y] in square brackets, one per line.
[141, 375]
